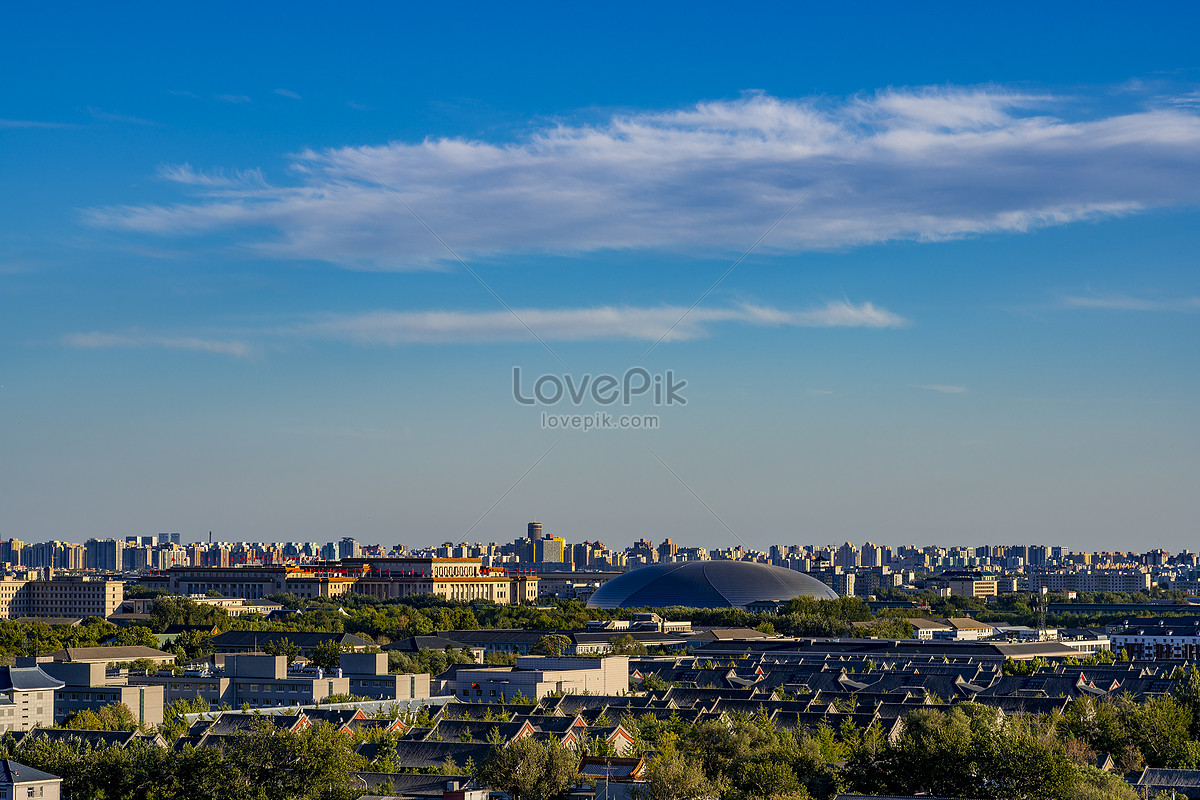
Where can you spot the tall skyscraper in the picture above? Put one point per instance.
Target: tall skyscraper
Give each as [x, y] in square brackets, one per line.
[535, 536]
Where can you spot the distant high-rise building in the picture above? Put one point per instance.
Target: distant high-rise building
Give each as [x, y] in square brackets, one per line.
[169, 538]
[103, 554]
[137, 558]
[549, 550]
[846, 557]
[10, 551]
[871, 556]
[535, 531]
[348, 548]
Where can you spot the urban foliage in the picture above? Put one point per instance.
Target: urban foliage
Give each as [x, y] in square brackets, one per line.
[261, 764]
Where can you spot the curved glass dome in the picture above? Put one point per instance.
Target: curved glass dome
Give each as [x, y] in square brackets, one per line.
[706, 584]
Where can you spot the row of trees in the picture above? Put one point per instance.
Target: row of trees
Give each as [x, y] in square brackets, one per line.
[263, 764]
[965, 750]
[385, 621]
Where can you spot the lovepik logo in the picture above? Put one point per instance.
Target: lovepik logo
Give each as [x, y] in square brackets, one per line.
[603, 389]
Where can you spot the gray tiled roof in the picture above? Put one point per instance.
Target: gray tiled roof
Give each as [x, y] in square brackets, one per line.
[14, 772]
[27, 679]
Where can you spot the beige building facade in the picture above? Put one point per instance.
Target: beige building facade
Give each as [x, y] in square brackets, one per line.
[60, 597]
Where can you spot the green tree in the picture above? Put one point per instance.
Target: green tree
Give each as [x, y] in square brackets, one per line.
[194, 644]
[552, 644]
[327, 655]
[174, 724]
[314, 763]
[134, 636]
[625, 645]
[1186, 692]
[933, 755]
[1092, 784]
[529, 769]
[283, 647]
[115, 717]
[1018, 765]
[653, 683]
[167, 611]
[674, 777]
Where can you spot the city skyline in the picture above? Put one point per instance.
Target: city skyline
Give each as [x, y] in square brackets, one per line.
[912, 282]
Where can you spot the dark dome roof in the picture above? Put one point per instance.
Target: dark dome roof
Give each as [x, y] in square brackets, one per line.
[706, 584]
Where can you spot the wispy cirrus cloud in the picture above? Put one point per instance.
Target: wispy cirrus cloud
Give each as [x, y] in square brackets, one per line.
[239, 99]
[218, 179]
[602, 323]
[97, 340]
[289, 94]
[917, 165]
[32, 123]
[111, 116]
[577, 324]
[1123, 302]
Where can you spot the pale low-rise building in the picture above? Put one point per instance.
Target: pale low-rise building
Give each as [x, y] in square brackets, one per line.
[112, 655]
[88, 685]
[20, 782]
[1174, 638]
[257, 680]
[26, 698]
[368, 676]
[61, 597]
[537, 676]
[962, 629]
[464, 579]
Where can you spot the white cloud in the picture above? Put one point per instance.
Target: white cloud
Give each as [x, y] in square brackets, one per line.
[602, 323]
[31, 123]
[575, 324]
[288, 93]
[186, 175]
[97, 340]
[112, 116]
[943, 388]
[233, 98]
[1120, 302]
[926, 164]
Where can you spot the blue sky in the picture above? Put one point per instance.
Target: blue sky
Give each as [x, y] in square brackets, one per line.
[228, 299]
